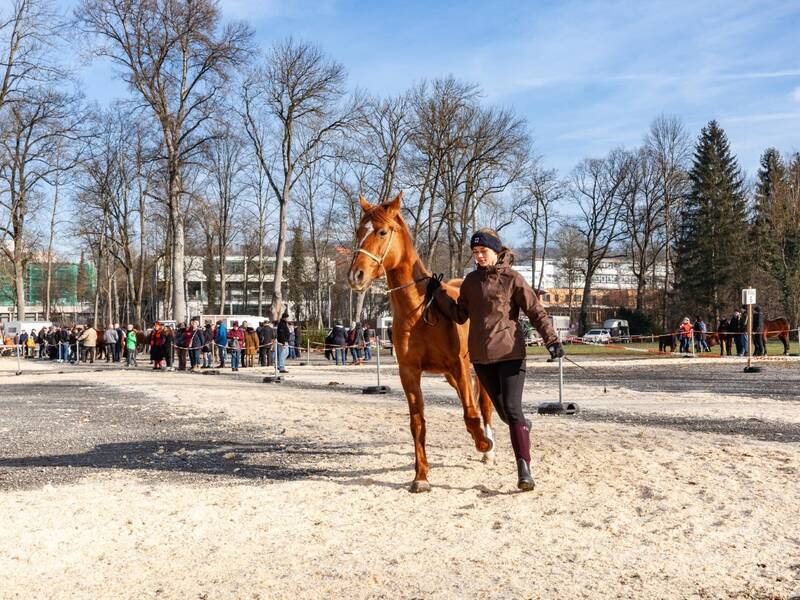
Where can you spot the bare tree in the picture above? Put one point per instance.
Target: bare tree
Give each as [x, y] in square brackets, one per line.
[32, 132]
[598, 192]
[318, 199]
[534, 202]
[28, 29]
[643, 214]
[669, 147]
[224, 169]
[570, 253]
[293, 105]
[177, 56]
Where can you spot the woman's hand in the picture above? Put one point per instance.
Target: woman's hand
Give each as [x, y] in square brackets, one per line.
[434, 283]
[556, 350]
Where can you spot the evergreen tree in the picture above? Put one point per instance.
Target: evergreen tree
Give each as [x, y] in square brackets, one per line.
[296, 270]
[712, 249]
[771, 179]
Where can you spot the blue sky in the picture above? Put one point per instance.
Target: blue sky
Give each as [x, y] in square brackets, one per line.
[588, 76]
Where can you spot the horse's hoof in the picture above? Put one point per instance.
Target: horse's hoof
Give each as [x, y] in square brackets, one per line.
[419, 485]
[486, 446]
[488, 457]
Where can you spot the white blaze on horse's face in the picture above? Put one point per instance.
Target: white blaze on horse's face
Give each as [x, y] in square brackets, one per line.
[375, 251]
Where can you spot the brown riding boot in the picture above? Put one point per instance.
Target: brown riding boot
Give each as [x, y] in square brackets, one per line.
[521, 442]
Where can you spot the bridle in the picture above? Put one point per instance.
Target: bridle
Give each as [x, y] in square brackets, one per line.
[380, 260]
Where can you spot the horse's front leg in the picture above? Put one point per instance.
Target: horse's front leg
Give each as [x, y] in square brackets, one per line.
[460, 378]
[410, 378]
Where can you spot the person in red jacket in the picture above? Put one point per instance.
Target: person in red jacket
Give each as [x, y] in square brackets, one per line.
[235, 345]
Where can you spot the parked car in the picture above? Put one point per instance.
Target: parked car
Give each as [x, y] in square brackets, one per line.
[597, 336]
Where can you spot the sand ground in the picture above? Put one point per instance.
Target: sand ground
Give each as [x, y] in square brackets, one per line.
[242, 489]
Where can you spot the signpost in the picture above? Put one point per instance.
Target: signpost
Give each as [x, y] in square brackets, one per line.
[748, 299]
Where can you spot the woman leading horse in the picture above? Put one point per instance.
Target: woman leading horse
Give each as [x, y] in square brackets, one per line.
[491, 297]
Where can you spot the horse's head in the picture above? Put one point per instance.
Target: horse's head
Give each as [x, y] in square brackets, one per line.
[381, 234]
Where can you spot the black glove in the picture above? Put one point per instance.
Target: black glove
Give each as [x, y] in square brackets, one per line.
[556, 350]
[434, 283]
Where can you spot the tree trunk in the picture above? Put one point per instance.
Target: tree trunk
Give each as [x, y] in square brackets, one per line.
[277, 295]
[178, 247]
[19, 281]
[48, 288]
[583, 316]
[222, 285]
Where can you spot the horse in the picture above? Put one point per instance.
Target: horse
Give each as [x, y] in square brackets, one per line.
[723, 335]
[438, 346]
[669, 340]
[778, 328]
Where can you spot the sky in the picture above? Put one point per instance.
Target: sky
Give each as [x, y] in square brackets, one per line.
[587, 76]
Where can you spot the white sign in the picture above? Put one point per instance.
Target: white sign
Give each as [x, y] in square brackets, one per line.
[748, 296]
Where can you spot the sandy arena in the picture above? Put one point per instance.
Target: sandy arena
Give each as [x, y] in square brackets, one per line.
[680, 482]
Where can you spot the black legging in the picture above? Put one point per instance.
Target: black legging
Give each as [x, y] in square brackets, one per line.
[503, 381]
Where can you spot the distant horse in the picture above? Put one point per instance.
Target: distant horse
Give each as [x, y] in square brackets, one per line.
[667, 341]
[439, 346]
[778, 328]
[723, 335]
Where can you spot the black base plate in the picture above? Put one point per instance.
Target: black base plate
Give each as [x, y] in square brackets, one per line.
[272, 379]
[557, 408]
[377, 389]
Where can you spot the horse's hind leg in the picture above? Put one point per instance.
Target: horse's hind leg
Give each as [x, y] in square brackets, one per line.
[460, 379]
[785, 339]
[410, 378]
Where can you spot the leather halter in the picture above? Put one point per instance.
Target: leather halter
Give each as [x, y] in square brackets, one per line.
[385, 251]
[381, 259]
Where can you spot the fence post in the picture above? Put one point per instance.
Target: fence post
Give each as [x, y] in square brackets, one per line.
[691, 341]
[377, 389]
[19, 365]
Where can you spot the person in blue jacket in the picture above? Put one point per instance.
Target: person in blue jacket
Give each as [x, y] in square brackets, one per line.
[221, 338]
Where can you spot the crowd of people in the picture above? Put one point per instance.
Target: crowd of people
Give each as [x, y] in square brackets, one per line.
[732, 330]
[191, 347]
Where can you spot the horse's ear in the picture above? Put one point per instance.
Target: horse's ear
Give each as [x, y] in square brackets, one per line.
[365, 206]
[394, 205]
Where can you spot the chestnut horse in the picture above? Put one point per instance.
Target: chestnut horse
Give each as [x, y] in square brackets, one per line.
[436, 347]
[778, 328]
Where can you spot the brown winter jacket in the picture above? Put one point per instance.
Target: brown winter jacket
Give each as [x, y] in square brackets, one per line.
[250, 342]
[492, 298]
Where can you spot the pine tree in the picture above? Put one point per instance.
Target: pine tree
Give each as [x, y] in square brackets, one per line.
[296, 271]
[771, 178]
[711, 255]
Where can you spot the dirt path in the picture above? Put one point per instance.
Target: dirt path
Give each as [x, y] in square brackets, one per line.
[135, 485]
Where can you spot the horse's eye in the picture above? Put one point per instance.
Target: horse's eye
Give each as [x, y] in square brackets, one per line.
[382, 232]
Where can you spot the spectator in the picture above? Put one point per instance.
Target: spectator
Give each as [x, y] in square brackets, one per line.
[63, 345]
[130, 347]
[169, 347]
[110, 338]
[208, 344]
[157, 340]
[235, 344]
[339, 338]
[88, 340]
[119, 347]
[284, 333]
[686, 335]
[196, 342]
[355, 340]
[759, 340]
[700, 340]
[222, 341]
[179, 340]
[369, 339]
[251, 347]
